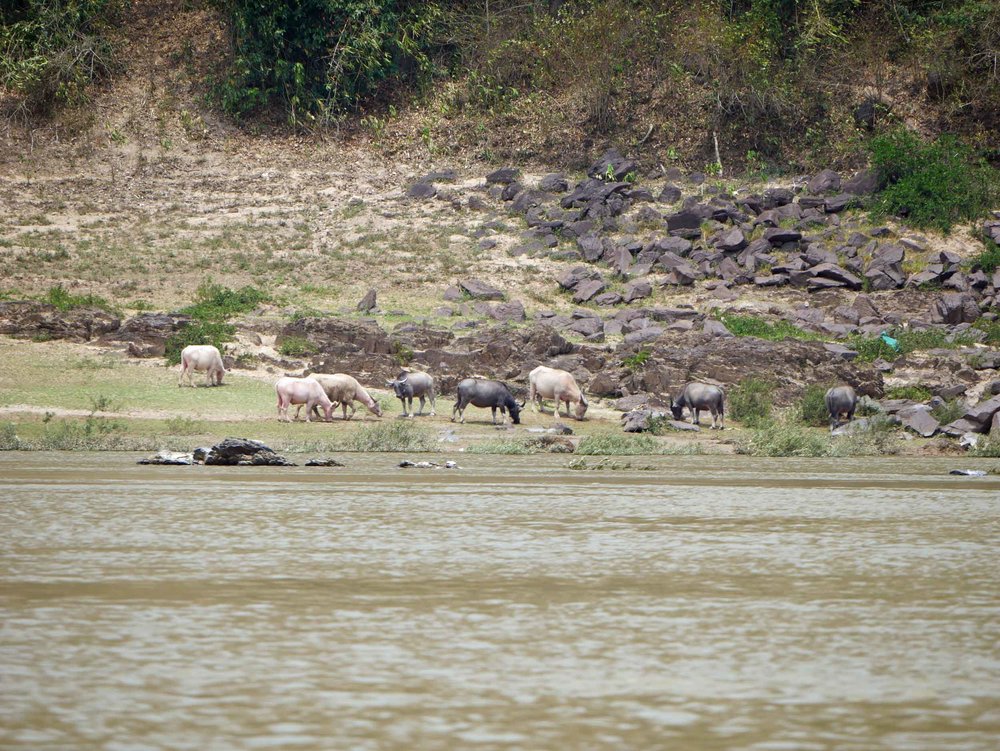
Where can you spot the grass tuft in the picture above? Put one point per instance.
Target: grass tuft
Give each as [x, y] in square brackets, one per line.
[617, 445]
[750, 401]
[394, 436]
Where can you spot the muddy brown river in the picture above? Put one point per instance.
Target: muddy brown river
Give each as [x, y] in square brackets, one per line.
[713, 603]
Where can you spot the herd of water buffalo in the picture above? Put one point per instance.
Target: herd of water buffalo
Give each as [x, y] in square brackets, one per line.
[327, 391]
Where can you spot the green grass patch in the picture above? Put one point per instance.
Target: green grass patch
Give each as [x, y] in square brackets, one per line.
[949, 411]
[635, 361]
[394, 436]
[297, 346]
[789, 437]
[987, 446]
[617, 445]
[60, 297]
[914, 393]
[747, 325]
[213, 302]
[609, 464]
[935, 184]
[750, 401]
[873, 348]
[992, 330]
[512, 446]
[811, 408]
[989, 259]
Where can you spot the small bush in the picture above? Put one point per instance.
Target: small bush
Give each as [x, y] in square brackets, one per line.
[64, 300]
[784, 438]
[750, 401]
[198, 332]
[296, 346]
[987, 446]
[914, 393]
[617, 445]
[395, 436]
[744, 325]
[811, 407]
[992, 329]
[989, 259]
[213, 302]
[872, 348]
[932, 184]
[636, 361]
[9, 440]
[949, 411]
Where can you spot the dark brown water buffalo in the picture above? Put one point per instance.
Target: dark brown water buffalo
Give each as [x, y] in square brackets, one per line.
[413, 384]
[482, 393]
[699, 396]
[840, 400]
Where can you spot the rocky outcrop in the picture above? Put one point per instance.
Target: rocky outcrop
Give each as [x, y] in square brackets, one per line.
[243, 452]
[28, 319]
[146, 333]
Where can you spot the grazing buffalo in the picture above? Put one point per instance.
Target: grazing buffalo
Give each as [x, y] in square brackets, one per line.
[840, 400]
[550, 383]
[201, 357]
[408, 385]
[482, 393]
[301, 391]
[699, 396]
[342, 388]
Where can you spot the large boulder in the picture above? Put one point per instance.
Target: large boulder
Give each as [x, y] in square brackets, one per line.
[146, 333]
[28, 319]
[826, 181]
[612, 166]
[977, 419]
[918, 418]
[244, 452]
[479, 290]
[955, 307]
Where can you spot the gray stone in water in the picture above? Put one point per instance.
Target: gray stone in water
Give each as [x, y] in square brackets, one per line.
[168, 457]
[323, 463]
[968, 472]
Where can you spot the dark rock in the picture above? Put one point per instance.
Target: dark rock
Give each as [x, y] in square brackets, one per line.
[421, 190]
[586, 326]
[919, 420]
[775, 197]
[669, 194]
[554, 183]
[572, 278]
[479, 290]
[612, 164]
[147, 333]
[503, 176]
[836, 273]
[368, 303]
[510, 191]
[638, 420]
[839, 203]
[244, 452]
[826, 181]
[41, 321]
[607, 299]
[323, 463]
[731, 241]
[779, 235]
[956, 307]
[637, 290]
[508, 311]
[684, 220]
[586, 290]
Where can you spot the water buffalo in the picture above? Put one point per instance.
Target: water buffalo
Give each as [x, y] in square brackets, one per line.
[550, 383]
[482, 393]
[840, 400]
[345, 389]
[408, 385]
[201, 357]
[301, 391]
[699, 396]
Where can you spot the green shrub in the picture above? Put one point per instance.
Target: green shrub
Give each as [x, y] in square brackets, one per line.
[198, 332]
[213, 302]
[747, 325]
[617, 445]
[395, 436]
[184, 426]
[987, 446]
[750, 401]
[316, 58]
[783, 438]
[992, 329]
[9, 440]
[872, 348]
[989, 259]
[53, 51]
[635, 361]
[296, 346]
[932, 184]
[949, 411]
[64, 300]
[915, 393]
[811, 408]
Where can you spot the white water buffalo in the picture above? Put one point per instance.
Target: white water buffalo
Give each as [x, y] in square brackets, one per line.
[551, 383]
[840, 400]
[301, 391]
[201, 357]
[699, 396]
[413, 384]
[345, 389]
[482, 393]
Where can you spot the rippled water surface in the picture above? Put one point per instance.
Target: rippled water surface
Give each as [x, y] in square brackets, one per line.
[713, 603]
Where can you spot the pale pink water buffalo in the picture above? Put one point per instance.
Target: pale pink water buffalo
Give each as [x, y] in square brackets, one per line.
[201, 357]
[301, 391]
[342, 388]
[551, 383]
